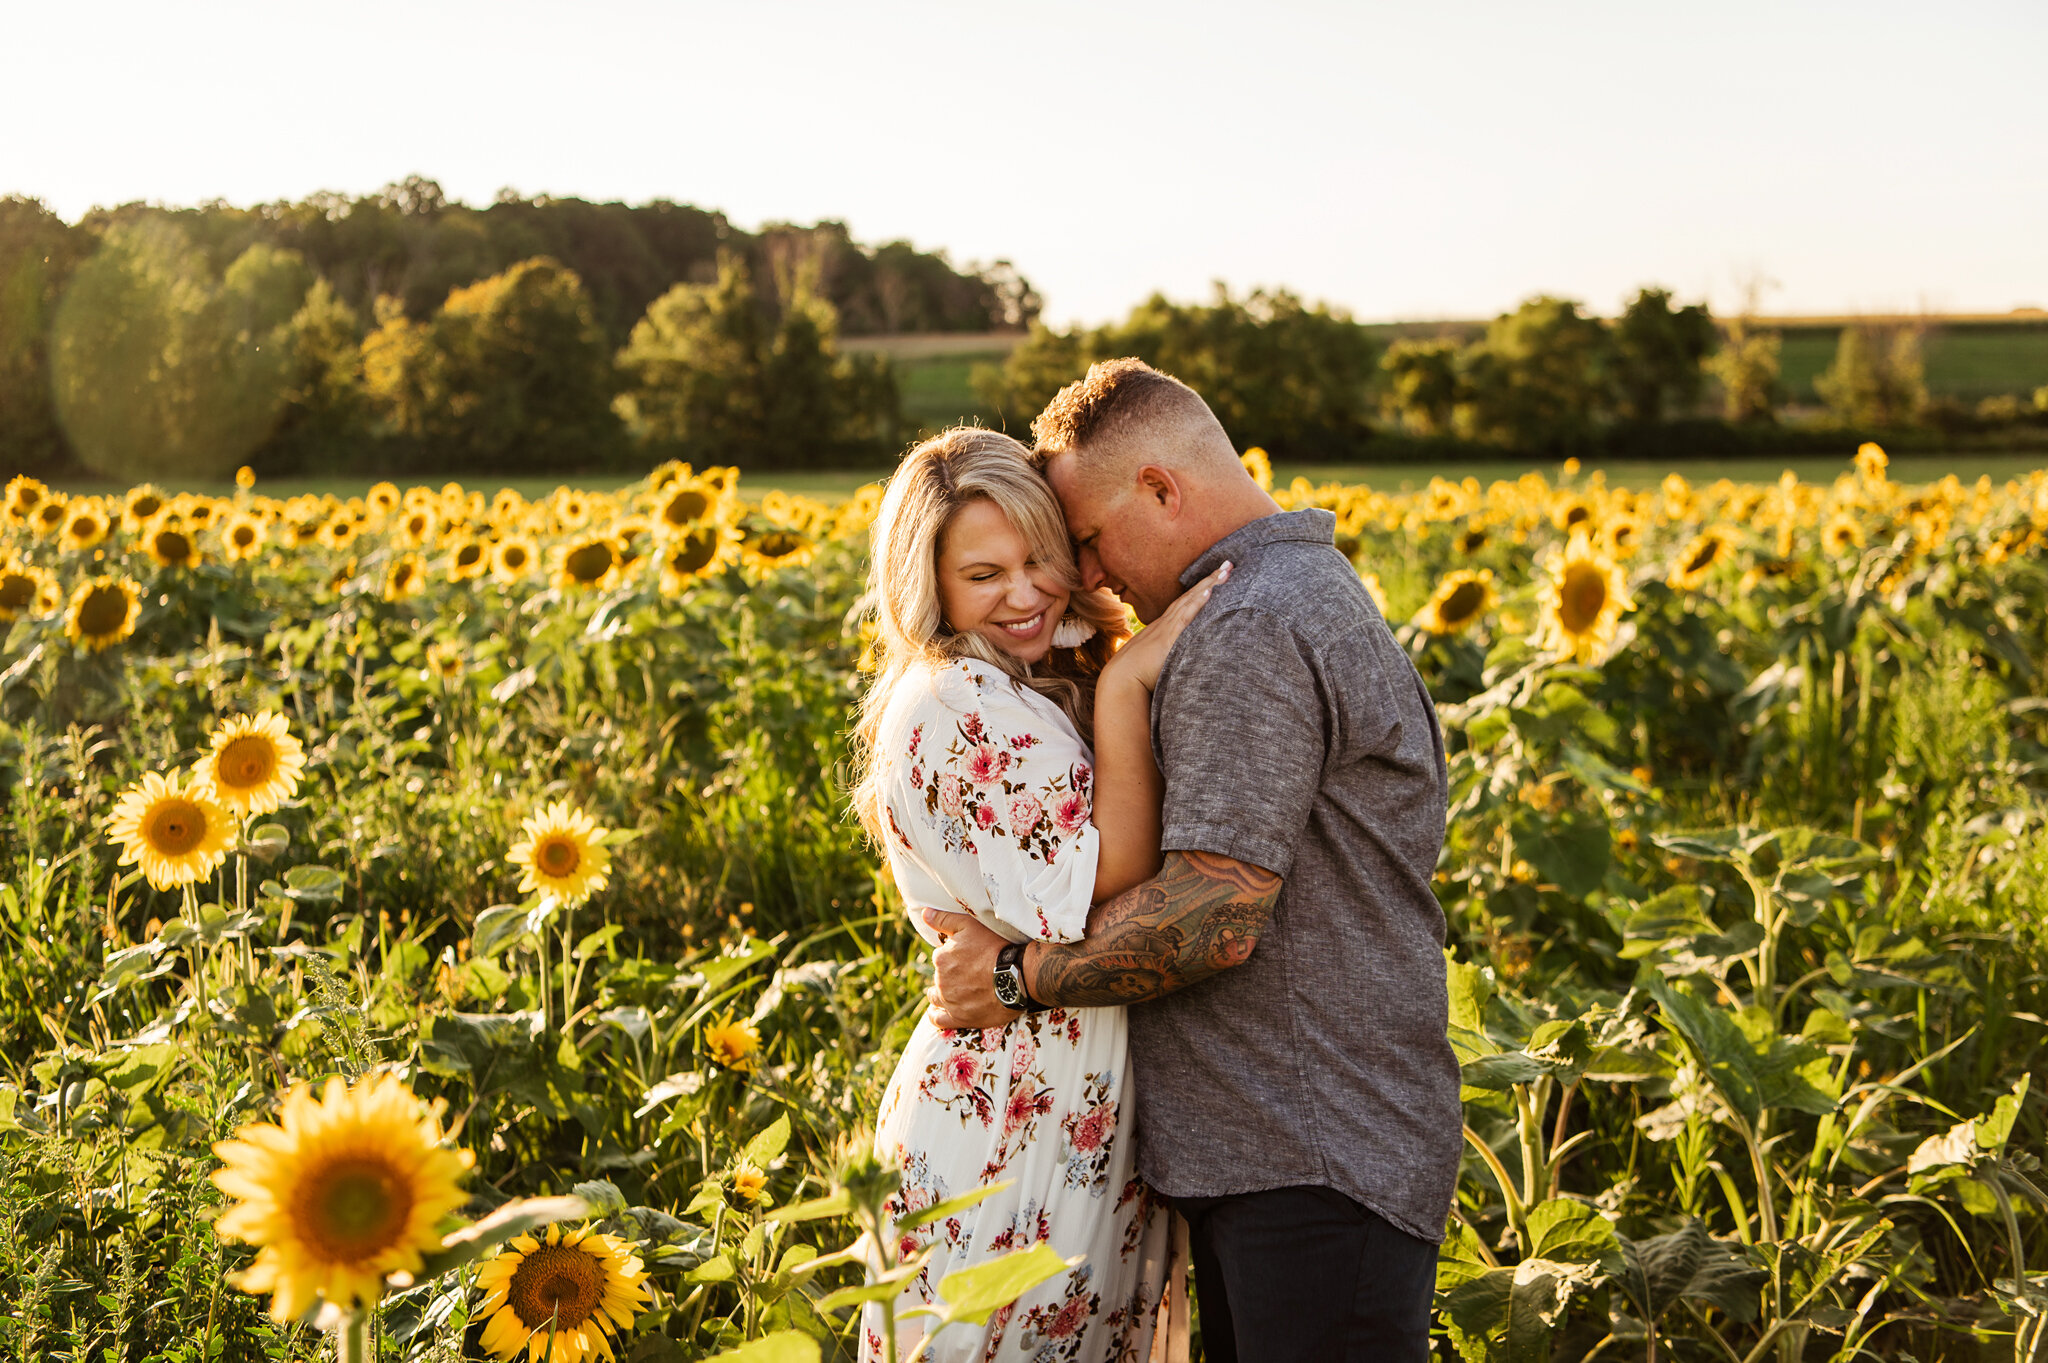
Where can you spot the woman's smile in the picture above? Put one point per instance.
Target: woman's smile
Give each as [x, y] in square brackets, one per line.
[1022, 630]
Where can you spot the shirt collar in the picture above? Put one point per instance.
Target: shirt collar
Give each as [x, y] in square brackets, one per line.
[1312, 525]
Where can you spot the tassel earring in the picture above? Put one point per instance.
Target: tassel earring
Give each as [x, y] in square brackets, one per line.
[1072, 631]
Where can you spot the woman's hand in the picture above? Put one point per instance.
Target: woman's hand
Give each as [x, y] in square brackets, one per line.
[1141, 658]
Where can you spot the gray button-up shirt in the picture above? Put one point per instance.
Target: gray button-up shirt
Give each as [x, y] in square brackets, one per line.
[1294, 734]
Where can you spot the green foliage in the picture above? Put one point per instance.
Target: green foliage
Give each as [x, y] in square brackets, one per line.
[1422, 384]
[1291, 378]
[38, 252]
[1746, 368]
[512, 373]
[1658, 351]
[1878, 378]
[161, 370]
[714, 373]
[1538, 380]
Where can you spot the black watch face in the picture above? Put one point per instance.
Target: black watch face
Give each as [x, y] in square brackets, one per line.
[1009, 989]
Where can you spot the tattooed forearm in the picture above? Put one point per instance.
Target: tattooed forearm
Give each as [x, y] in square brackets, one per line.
[1202, 913]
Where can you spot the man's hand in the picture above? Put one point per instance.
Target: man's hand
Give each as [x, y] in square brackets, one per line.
[965, 997]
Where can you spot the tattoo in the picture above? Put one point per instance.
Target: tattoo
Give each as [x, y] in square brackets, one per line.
[1201, 914]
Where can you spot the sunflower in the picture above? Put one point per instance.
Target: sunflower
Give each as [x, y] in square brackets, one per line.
[24, 495]
[1842, 534]
[559, 1296]
[169, 542]
[735, 1045]
[508, 506]
[179, 834]
[139, 505]
[627, 532]
[563, 854]
[695, 554]
[445, 662]
[418, 527]
[667, 472]
[1374, 590]
[591, 562]
[344, 1190]
[25, 590]
[777, 549]
[47, 518]
[1708, 550]
[1871, 462]
[197, 511]
[1583, 599]
[242, 536]
[748, 1183]
[406, 577]
[85, 524]
[103, 612]
[338, 531]
[685, 503]
[571, 508]
[255, 764]
[468, 558]
[1471, 541]
[1259, 466]
[512, 559]
[383, 498]
[1459, 599]
[1623, 535]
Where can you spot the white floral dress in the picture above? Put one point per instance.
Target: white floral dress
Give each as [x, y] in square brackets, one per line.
[988, 793]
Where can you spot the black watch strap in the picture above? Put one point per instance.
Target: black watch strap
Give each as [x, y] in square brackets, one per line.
[1012, 954]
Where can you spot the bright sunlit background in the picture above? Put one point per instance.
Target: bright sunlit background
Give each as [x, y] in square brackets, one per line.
[1398, 160]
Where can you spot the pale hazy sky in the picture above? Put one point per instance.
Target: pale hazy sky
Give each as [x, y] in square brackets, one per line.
[1429, 159]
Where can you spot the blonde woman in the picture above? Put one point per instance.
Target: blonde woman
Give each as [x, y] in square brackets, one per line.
[1008, 772]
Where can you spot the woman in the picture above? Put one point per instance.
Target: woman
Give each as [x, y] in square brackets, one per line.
[994, 671]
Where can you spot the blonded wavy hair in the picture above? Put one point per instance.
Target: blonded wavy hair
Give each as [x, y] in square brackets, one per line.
[912, 638]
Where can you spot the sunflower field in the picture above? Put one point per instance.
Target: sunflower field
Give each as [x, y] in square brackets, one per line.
[431, 926]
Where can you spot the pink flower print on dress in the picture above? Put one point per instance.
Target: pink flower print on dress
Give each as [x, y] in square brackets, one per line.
[985, 815]
[1070, 813]
[1082, 775]
[961, 1070]
[986, 765]
[970, 726]
[1024, 815]
[1021, 1057]
[916, 737]
[952, 795]
[1069, 1319]
[1090, 1132]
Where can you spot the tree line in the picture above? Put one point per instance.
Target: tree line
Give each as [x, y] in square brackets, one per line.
[399, 327]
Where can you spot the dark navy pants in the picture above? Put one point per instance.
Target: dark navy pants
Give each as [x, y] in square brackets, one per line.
[1306, 1275]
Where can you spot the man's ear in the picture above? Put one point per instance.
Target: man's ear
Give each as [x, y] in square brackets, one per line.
[1159, 486]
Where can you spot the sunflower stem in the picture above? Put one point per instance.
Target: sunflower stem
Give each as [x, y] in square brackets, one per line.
[352, 1338]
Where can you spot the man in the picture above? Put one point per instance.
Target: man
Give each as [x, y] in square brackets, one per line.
[1296, 1096]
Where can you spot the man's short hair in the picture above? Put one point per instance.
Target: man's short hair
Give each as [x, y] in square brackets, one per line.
[1120, 399]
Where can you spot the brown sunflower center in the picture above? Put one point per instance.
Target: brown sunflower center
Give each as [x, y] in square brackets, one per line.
[1463, 603]
[556, 1283]
[143, 507]
[401, 577]
[175, 826]
[85, 527]
[247, 762]
[685, 507]
[16, 591]
[354, 1209]
[1472, 541]
[103, 611]
[778, 544]
[589, 562]
[557, 857]
[514, 557]
[694, 553]
[1581, 598]
[1703, 556]
[469, 555]
[1574, 516]
[243, 536]
[172, 546]
[52, 513]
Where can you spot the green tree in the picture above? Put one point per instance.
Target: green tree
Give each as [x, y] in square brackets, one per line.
[38, 252]
[721, 375]
[1878, 378]
[1422, 384]
[1295, 379]
[1539, 378]
[162, 370]
[513, 372]
[327, 416]
[1746, 367]
[1658, 350]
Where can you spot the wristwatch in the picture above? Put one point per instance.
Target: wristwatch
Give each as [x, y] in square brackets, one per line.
[1010, 990]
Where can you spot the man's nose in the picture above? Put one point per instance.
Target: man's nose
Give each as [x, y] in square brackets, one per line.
[1091, 570]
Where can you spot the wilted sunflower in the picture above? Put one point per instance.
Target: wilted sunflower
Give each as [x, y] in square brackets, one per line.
[1709, 550]
[559, 1296]
[468, 558]
[696, 553]
[242, 536]
[513, 558]
[103, 612]
[24, 495]
[170, 542]
[1459, 599]
[563, 854]
[86, 523]
[1582, 598]
[141, 503]
[178, 833]
[777, 549]
[406, 577]
[735, 1045]
[343, 1191]
[255, 764]
[25, 590]
[591, 562]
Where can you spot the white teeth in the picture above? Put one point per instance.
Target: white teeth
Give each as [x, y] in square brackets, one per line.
[1025, 626]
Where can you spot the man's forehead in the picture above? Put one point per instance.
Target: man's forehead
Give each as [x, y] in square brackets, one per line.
[1063, 471]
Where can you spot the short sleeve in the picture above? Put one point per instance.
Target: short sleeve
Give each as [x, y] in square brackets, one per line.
[1239, 729]
[994, 794]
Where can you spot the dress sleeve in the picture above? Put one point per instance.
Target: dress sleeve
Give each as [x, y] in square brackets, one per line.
[991, 800]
